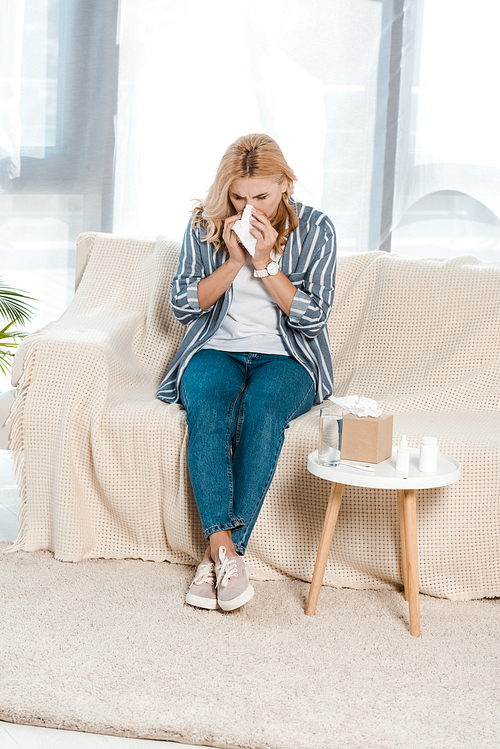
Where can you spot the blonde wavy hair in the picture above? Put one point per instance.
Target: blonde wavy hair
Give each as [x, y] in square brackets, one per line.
[255, 155]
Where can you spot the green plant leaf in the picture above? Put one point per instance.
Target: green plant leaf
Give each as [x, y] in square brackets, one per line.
[14, 308]
[9, 339]
[6, 359]
[13, 304]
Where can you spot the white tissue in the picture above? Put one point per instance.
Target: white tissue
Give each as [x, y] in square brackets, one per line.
[358, 405]
[242, 229]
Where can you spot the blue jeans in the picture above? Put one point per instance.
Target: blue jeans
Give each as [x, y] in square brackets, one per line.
[238, 406]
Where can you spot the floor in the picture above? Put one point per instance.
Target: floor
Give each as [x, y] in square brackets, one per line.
[13, 736]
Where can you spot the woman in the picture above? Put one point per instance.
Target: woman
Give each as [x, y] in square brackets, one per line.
[256, 353]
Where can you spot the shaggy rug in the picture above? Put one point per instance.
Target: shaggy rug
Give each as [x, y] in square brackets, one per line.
[110, 647]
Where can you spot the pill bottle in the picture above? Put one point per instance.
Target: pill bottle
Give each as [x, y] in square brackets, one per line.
[427, 461]
[403, 456]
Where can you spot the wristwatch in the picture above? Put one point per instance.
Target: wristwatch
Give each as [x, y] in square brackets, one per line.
[270, 270]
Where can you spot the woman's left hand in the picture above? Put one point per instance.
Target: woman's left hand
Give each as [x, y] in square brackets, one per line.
[281, 289]
[266, 235]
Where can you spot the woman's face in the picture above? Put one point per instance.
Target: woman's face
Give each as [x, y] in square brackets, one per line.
[263, 194]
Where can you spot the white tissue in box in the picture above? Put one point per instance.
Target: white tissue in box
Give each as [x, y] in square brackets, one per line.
[358, 405]
[242, 229]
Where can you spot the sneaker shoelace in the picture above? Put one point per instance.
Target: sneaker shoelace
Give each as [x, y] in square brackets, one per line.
[226, 571]
[204, 574]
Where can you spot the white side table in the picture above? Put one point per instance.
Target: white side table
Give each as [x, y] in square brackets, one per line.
[385, 476]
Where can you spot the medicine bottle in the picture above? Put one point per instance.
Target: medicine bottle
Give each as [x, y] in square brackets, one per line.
[403, 456]
[427, 462]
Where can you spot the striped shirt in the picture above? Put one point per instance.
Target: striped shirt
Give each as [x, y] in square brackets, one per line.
[309, 262]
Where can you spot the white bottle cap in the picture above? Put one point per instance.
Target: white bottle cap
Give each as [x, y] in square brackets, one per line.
[429, 441]
[404, 442]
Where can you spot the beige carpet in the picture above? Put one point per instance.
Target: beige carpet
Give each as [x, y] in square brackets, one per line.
[110, 647]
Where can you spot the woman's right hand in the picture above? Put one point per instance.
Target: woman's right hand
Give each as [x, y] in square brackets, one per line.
[237, 253]
[211, 288]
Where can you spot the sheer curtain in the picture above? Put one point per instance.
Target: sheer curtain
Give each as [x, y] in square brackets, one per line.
[386, 110]
[114, 116]
[11, 40]
[447, 178]
[194, 76]
[58, 82]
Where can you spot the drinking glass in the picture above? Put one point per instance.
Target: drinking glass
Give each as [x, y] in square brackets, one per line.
[330, 436]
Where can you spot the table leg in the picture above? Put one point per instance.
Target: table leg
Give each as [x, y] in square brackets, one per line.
[402, 536]
[331, 515]
[410, 523]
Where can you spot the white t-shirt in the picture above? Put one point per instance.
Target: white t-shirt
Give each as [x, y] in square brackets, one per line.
[251, 322]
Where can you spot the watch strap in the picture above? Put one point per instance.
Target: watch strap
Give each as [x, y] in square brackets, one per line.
[265, 272]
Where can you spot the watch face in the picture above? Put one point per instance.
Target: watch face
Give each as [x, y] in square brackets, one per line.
[272, 268]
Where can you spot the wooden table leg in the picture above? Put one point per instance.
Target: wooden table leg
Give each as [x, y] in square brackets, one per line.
[402, 536]
[331, 515]
[410, 523]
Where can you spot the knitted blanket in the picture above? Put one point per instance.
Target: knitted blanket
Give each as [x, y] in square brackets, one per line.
[101, 463]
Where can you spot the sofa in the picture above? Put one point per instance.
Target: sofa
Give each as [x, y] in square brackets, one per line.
[101, 463]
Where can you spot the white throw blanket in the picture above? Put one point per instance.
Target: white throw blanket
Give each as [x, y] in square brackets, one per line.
[102, 463]
[101, 459]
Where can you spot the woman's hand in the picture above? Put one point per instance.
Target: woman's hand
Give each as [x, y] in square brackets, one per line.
[211, 288]
[266, 235]
[237, 253]
[281, 289]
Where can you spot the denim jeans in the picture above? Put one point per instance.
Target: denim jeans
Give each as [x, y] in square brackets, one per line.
[238, 406]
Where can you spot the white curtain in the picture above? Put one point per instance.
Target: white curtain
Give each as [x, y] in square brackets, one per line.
[386, 110]
[58, 80]
[195, 75]
[11, 40]
[447, 196]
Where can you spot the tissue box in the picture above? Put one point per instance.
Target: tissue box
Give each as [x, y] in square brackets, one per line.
[366, 439]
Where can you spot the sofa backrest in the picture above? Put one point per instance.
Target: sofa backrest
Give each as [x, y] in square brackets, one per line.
[127, 281]
[412, 333]
[417, 333]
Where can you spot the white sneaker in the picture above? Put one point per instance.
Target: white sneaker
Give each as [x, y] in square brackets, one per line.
[202, 591]
[233, 586]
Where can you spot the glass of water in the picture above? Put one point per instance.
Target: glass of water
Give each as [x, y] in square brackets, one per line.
[330, 436]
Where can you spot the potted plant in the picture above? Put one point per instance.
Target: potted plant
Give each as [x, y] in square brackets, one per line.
[14, 310]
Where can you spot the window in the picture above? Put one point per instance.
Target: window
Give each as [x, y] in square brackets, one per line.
[57, 153]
